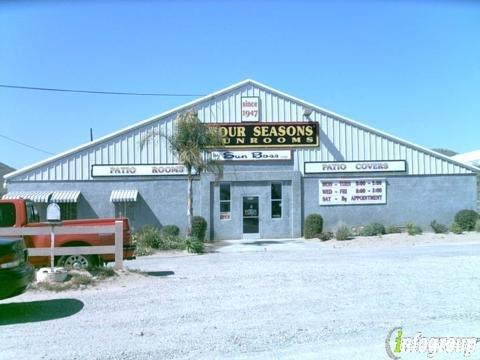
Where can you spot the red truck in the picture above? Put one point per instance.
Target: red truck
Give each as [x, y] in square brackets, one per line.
[22, 213]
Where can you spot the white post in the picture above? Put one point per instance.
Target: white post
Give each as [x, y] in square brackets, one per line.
[52, 248]
[119, 245]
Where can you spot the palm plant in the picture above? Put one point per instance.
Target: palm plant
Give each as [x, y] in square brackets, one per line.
[190, 141]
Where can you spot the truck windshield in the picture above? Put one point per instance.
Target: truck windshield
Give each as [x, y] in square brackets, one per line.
[7, 215]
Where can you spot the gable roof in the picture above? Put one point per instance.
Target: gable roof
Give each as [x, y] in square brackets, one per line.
[231, 88]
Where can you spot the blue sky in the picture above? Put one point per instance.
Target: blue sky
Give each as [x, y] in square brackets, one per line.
[410, 68]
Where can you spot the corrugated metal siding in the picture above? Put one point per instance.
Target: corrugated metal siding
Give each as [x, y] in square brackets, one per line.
[339, 141]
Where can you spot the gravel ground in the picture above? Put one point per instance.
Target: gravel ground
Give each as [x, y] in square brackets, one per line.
[259, 300]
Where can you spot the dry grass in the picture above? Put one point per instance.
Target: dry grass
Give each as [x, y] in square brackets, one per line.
[77, 279]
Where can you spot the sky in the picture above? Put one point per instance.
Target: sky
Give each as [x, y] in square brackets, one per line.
[408, 68]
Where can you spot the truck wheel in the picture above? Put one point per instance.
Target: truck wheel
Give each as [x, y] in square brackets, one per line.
[78, 261]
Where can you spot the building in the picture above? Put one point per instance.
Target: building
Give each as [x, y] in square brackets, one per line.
[4, 169]
[471, 158]
[284, 158]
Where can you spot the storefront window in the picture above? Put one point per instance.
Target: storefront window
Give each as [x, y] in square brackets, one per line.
[276, 195]
[125, 209]
[68, 211]
[225, 202]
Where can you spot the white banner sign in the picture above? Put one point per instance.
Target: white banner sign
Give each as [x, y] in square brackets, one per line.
[352, 191]
[354, 166]
[250, 109]
[251, 155]
[138, 170]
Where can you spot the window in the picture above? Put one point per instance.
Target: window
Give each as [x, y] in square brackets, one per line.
[68, 211]
[276, 195]
[32, 214]
[225, 203]
[7, 215]
[124, 209]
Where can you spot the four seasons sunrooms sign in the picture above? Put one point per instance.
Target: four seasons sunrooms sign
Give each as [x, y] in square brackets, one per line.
[269, 135]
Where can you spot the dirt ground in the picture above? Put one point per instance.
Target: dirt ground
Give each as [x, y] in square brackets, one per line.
[278, 299]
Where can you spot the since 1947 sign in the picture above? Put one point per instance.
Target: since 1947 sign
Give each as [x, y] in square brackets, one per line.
[352, 191]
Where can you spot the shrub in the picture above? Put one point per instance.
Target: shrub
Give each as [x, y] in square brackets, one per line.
[342, 232]
[324, 236]
[170, 230]
[393, 230]
[373, 229]
[477, 225]
[194, 245]
[148, 237]
[466, 219]
[456, 228]
[438, 228]
[413, 229]
[313, 225]
[171, 242]
[199, 228]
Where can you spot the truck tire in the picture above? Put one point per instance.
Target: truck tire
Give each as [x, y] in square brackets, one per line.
[78, 261]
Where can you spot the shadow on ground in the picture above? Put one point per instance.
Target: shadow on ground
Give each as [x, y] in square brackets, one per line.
[160, 273]
[34, 311]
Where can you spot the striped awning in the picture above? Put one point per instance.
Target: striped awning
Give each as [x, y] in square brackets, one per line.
[66, 196]
[35, 196]
[123, 195]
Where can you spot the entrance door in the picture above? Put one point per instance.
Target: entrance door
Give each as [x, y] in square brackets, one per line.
[250, 215]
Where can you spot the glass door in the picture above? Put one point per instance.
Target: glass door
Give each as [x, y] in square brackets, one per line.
[250, 215]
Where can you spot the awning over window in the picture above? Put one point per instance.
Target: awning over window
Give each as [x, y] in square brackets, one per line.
[67, 196]
[123, 195]
[35, 196]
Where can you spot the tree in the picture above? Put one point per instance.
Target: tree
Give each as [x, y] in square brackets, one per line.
[190, 141]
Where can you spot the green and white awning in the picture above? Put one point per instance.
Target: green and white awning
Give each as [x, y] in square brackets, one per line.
[123, 195]
[35, 196]
[65, 196]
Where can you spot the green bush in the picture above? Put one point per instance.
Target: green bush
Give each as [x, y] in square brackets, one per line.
[466, 219]
[148, 237]
[373, 229]
[199, 228]
[170, 230]
[438, 228]
[477, 225]
[194, 245]
[456, 228]
[393, 230]
[313, 225]
[413, 229]
[342, 232]
[171, 242]
[324, 236]
[143, 250]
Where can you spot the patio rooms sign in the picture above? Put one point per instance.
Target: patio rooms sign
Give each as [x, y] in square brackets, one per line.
[269, 135]
[352, 191]
[251, 155]
[138, 170]
[354, 166]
